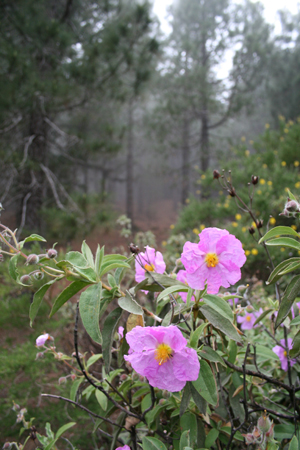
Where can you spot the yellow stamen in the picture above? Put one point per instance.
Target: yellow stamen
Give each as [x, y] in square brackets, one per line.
[149, 267]
[211, 259]
[163, 353]
[285, 353]
[248, 318]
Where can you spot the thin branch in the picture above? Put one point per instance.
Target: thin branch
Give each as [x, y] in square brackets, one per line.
[28, 143]
[24, 210]
[14, 123]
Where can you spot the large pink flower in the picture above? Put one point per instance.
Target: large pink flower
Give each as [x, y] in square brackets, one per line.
[216, 260]
[248, 320]
[282, 353]
[149, 260]
[181, 276]
[160, 354]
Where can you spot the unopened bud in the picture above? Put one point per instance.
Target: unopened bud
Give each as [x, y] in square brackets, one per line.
[25, 279]
[123, 377]
[52, 253]
[166, 394]
[264, 423]
[259, 223]
[16, 407]
[6, 446]
[39, 355]
[231, 192]
[62, 380]
[270, 433]
[73, 376]
[216, 174]
[162, 401]
[37, 275]
[134, 249]
[254, 179]
[292, 206]
[249, 308]
[251, 230]
[135, 377]
[249, 438]
[32, 259]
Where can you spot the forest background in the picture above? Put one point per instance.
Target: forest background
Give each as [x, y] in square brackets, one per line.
[102, 114]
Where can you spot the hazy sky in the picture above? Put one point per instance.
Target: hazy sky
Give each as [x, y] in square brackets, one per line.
[271, 6]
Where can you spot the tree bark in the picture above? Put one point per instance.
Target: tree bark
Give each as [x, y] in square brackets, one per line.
[129, 163]
[186, 152]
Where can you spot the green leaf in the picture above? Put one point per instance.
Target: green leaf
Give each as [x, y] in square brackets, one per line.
[205, 385]
[278, 231]
[102, 399]
[185, 400]
[290, 268]
[98, 260]
[189, 422]
[238, 436]
[262, 316]
[89, 307]
[294, 444]
[12, 267]
[265, 353]
[219, 305]
[184, 440]
[295, 351]
[64, 428]
[76, 259]
[211, 355]
[284, 431]
[74, 388]
[87, 253]
[211, 438]
[129, 304]
[93, 359]
[37, 300]
[150, 285]
[290, 195]
[288, 298]
[220, 322]
[172, 289]
[295, 321]
[66, 294]
[199, 401]
[31, 238]
[111, 280]
[196, 335]
[285, 242]
[275, 273]
[109, 327]
[150, 443]
[113, 265]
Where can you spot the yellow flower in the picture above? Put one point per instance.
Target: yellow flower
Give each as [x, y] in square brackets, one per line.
[254, 251]
[172, 227]
[259, 192]
[275, 152]
[247, 153]
[265, 166]
[286, 189]
[291, 122]
[247, 252]
[196, 167]
[251, 142]
[269, 183]
[262, 181]
[286, 130]
[298, 119]
[283, 163]
[202, 227]
[164, 243]
[297, 185]
[203, 176]
[267, 126]
[243, 139]
[282, 249]
[220, 192]
[238, 217]
[294, 227]
[296, 163]
[187, 200]
[198, 192]
[244, 229]
[272, 221]
[198, 181]
[219, 205]
[298, 252]
[196, 231]
[253, 224]
[234, 224]
[226, 205]
[281, 118]
[282, 139]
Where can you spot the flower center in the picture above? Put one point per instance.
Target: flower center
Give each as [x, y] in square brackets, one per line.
[285, 353]
[149, 267]
[248, 318]
[163, 353]
[211, 259]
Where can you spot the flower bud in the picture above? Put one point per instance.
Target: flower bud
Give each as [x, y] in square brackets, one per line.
[264, 423]
[6, 446]
[25, 279]
[292, 206]
[73, 376]
[134, 249]
[249, 438]
[231, 192]
[254, 179]
[62, 380]
[259, 223]
[162, 401]
[135, 377]
[249, 308]
[123, 377]
[270, 433]
[51, 253]
[37, 275]
[16, 407]
[39, 355]
[216, 174]
[32, 259]
[251, 230]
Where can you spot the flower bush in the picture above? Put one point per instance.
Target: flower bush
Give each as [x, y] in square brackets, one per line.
[196, 367]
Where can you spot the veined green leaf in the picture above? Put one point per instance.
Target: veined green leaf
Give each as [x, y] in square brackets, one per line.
[295, 351]
[290, 268]
[66, 294]
[196, 335]
[129, 304]
[262, 316]
[77, 259]
[295, 321]
[278, 231]
[219, 305]
[151, 443]
[172, 289]
[205, 385]
[114, 265]
[109, 327]
[275, 273]
[220, 322]
[211, 355]
[64, 428]
[98, 260]
[37, 300]
[288, 298]
[89, 307]
[87, 253]
[285, 242]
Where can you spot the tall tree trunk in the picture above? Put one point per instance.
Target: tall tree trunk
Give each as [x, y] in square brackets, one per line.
[204, 142]
[129, 163]
[186, 152]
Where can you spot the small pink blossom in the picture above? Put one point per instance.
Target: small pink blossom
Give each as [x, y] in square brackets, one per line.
[215, 260]
[150, 261]
[121, 332]
[282, 353]
[125, 447]
[41, 340]
[247, 321]
[181, 276]
[160, 354]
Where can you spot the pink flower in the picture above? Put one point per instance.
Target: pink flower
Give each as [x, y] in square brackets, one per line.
[125, 447]
[41, 340]
[247, 321]
[282, 353]
[181, 276]
[151, 261]
[160, 354]
[215, 260]
[121, 332]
